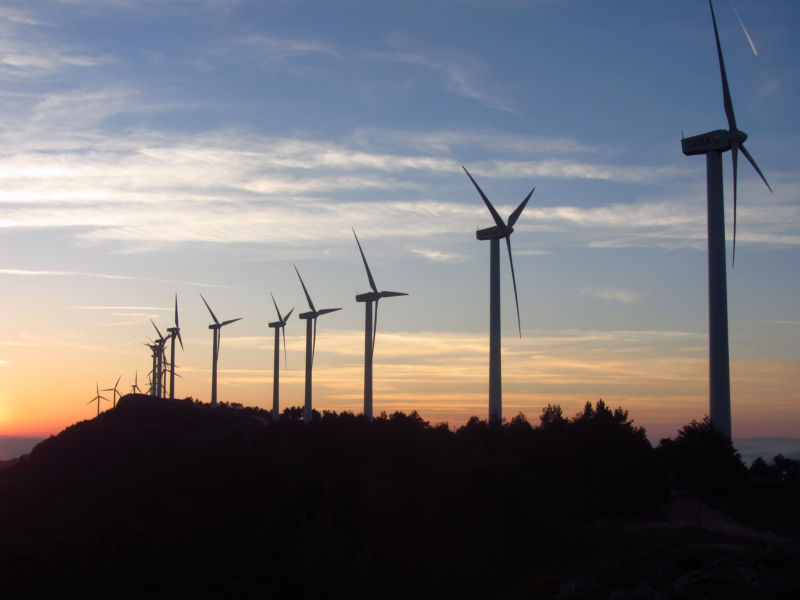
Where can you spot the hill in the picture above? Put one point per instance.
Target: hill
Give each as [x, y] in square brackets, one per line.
[162, 498]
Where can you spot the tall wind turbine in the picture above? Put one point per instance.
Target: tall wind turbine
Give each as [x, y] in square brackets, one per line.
[216, 327]
[311, 342]
[280, 327]
[97, 398]
[174, 331]
[154, 375]
[713, 144]
[114, 389]
[494, 234]
[370, 328]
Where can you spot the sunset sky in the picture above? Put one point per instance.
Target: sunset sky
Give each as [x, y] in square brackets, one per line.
[161, 147]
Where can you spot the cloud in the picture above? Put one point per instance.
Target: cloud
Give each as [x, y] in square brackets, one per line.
[53, 273]
[438, 255]
[616, 295]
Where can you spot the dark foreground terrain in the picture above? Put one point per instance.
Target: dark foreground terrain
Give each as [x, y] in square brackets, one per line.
[158, 498]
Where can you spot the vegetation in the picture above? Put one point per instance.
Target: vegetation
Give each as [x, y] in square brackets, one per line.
[164, 498]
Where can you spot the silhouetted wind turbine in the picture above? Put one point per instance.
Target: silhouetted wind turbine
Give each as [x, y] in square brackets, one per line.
[713, 144]
[156, 350]
[370, 328]
[494, 234]
[159, 374]
[114, 389]
[311, 342]
[280, 327]
[174, 331]
[135, 387]
[216, 327]
[97, 398]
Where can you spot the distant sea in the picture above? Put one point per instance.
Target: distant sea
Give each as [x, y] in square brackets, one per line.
[767, 448]
[12, 446]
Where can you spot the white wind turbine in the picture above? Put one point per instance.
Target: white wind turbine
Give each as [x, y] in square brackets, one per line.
[311, 342]
[280, 327]
[370, 328]
[713, 144]
[494, 234]
[216, 327]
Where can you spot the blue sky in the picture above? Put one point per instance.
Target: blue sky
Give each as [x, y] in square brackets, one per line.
[154, 148]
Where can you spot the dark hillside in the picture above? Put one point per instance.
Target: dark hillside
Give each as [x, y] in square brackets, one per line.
[165, 498]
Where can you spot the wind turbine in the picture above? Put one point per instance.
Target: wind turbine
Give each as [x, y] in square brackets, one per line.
[135, 387]
[311, 342]
[280, 327]
[174, 332]
[370, 328]
[494, 234]
[154, 378]
[713, 144]
[216, 327]
[160, 343]
[97, 398]
[114, 389]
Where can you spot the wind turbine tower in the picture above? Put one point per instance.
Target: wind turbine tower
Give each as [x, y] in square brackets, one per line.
[494, 234]
[713, 144]
[174, 331]
[280, 327]
[370, 328]
[158, 376]
[116, 392]
[216, 327]
[97, 398]
[311, 342]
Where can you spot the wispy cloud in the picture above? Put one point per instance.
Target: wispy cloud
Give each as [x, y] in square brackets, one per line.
[616, 295]
[53, 273]
[438, 255]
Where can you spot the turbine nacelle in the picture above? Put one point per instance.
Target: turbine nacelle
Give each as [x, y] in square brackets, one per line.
[494, 233]
[718, 140]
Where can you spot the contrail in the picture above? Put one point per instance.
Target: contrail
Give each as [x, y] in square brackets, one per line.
[749, 39]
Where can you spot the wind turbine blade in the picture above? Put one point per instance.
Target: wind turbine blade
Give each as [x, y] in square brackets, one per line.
[726, 92]
[755, 166]
[179, 338]
[735, 158]
[374, 327]
[280, 318]
[285, 359]
[514, 281]
[314, 341]
[310, 303]
[286, 318]
[325, 311]
[392, 294]
[176, 311]
[518, 211]
[497, 218]
[160, 336]
[116, 384]
[228, 322]
[213, 316]
[366, 266]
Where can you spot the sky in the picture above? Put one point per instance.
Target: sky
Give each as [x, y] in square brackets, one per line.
[154, 148]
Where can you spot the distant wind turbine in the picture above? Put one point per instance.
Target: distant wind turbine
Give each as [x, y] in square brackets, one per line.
[135, 387]
[311, 342]
[114, 389]
[370, 328]
[174, 332]
[494, 234]
[155, 349]
[160, 342]
[280, 327]
[97, 398]
[713, 144]
[216, 327]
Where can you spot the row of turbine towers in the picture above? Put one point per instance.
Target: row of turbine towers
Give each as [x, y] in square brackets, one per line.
[712, 144]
